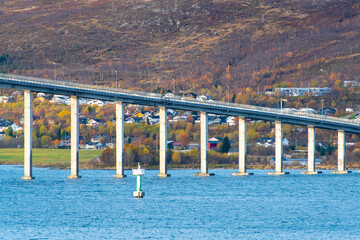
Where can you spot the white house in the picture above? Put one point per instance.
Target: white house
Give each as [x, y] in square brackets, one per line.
[83, 101]
[95, 139]
[99, 103]
[270, 142]
[230, 121]
[178, 118]
[4, 124]
[94, 145]
[129, 120]
[95, 102]
[154, 120]
[214, 121]
[93, 123]
[203, 97]
[351, 84]
[16, 127]
[266, 142]
[59, 99]
[285, 142]
[169, 111]
[4, 99]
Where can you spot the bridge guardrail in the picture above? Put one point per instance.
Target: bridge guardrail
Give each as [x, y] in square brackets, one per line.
[279, 112]
[160, 97]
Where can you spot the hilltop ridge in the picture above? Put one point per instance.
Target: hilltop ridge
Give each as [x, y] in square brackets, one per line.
[199, 44]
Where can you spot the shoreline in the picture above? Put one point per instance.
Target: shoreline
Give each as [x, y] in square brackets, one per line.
[86, 166]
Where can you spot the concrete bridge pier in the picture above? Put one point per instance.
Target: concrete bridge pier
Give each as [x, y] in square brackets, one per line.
[74, 138]
[311, 152]
[163, 143]
[119, 140]
[203, 146]
[28, 123]
[278, 150]
[341, 154]
[242, 148]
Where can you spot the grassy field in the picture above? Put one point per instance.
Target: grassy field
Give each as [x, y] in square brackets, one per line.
[45, 157]
[60, 158]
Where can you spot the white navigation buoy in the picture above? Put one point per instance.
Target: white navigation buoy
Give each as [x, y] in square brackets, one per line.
[138, 172]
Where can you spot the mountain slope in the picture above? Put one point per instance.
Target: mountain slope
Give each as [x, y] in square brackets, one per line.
[199, 44]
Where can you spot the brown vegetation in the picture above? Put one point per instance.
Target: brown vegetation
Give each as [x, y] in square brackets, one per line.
[190, 45]
[199, 44]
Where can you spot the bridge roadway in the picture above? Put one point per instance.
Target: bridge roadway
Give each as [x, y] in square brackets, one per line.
[176, 102]
[120, 96]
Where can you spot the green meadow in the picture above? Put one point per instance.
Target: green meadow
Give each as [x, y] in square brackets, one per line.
[45, 157]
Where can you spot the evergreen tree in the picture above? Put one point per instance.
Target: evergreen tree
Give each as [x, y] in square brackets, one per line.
[225, 146]
[9, 132]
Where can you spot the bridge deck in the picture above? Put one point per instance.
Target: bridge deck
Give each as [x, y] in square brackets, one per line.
[176, 102]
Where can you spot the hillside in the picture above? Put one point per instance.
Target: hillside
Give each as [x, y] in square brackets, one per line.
[200, 44]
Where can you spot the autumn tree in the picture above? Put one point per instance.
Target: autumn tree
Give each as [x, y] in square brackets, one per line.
[183, 137]
[176, 158]
[64, 114]
[56, 142]
[108, 157]
[45, 141]
[252, 135]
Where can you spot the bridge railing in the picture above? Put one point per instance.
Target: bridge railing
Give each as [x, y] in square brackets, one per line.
[279, 112]
[63, 84]
[159, 97]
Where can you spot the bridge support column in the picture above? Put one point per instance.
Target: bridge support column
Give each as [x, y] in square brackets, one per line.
[341, 154]
[203, 146]
[163, 143]
[119, 140]
[28, 123]
[278, 150]
[74, 138]
[242, 148]
[311, 152]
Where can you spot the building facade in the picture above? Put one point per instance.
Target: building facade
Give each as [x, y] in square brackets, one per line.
[298, 92]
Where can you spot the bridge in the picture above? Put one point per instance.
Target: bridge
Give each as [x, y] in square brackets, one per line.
[123, 96]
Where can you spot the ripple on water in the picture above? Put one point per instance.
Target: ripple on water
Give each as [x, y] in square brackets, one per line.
[180, 207]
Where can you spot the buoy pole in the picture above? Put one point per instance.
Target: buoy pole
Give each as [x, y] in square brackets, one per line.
[138, 183]
[138, 172]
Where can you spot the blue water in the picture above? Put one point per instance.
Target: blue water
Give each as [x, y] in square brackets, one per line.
[97, 206]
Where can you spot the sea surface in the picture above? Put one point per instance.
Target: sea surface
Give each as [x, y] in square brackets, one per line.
[183, 206]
